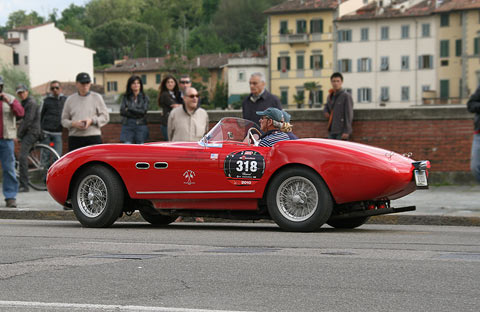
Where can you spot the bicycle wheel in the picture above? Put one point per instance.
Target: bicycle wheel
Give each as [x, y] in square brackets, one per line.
[40, 158]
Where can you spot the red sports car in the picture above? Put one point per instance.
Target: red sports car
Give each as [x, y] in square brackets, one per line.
[300, 184]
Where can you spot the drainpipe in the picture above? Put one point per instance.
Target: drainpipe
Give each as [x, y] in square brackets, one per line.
[464, 92]
[415, 61]
[269, 53]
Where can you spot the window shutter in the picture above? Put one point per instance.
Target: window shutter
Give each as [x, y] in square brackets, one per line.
[349, 66]
[359, 65]
[321, 25]
[369, 64]
[339, 65]
[311, 26]
[420, 63]
[311, 61]
[430, 57]
[369, 95]
[359, 95]
[321, 61]
[476, 46]
[279, 64]
[288, 62]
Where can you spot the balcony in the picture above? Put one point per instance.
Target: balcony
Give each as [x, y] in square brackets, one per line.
[295, 38]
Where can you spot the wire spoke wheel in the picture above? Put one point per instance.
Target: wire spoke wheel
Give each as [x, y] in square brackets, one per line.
[97, 196]
[297, 199]
[92, 196]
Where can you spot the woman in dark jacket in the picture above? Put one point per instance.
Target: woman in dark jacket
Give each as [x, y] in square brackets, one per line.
[168, 98]
[134, 111]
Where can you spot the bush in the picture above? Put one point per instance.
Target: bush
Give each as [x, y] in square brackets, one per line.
[153, 96]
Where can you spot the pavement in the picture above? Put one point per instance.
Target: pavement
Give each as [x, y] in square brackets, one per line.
[442, 205]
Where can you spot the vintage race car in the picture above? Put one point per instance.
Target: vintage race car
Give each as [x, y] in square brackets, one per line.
[300, 184]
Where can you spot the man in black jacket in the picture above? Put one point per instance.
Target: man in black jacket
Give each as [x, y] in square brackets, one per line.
[51, 117]
[28, 132]
[473, 106]
[259, 99]
[339, 110]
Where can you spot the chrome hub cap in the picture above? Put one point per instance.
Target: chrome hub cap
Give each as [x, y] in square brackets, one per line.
[92, 196]
[297, 199]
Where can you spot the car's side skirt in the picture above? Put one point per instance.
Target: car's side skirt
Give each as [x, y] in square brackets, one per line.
[369, 213]
[196, 192]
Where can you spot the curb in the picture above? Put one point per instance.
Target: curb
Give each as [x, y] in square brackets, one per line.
[387, 219]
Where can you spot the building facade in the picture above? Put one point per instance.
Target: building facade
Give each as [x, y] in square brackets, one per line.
[44, 54]
[301, 49]
[388, 53]
[6, 54]
[459, 46]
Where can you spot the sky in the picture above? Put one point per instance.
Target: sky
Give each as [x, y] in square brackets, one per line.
[43, 7]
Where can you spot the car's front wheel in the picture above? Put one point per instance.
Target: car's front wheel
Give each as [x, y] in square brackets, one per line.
[299, 200]
[97, 197]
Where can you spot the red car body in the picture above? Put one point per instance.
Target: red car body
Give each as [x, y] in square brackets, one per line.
[226, 173]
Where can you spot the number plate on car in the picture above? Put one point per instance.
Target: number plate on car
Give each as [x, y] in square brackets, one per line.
[421, 178]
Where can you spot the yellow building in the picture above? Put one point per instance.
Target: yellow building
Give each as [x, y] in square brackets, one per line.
[209, 69]
[6, 54]
[301, 48]
[459, 49]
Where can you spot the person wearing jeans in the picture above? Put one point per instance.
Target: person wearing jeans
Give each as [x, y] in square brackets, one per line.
[10, 108]
[51, 116]
[473, 106]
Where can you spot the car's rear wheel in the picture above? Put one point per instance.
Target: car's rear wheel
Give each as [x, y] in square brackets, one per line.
[299, 200]
[349, 223]
[157, 219]
[97, 197]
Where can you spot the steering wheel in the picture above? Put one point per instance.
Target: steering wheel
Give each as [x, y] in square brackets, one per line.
[251, 136]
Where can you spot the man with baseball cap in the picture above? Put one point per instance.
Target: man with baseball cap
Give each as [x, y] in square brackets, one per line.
[10, 108]
[271, 122]
[28, 132]
[84, 113]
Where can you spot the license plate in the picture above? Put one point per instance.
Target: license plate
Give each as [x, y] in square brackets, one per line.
[420, 178]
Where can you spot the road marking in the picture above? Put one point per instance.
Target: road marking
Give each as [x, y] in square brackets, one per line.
[102, 307]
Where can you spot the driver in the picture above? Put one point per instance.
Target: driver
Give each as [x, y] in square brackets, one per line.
[270, 123]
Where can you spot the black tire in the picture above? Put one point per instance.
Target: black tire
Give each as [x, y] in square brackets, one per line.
[157, 219]
[40, 158]
[350, 223]
[298, 200]
[97, 197]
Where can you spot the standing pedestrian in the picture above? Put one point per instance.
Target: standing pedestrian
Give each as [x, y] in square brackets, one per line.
[473, 106]
[168, 99]
[185, 82]
[259, 99]
[338, 110]
[188, 122]
[28, 132]
[84, 114]
[51, 117]
[134, 109]
[10, 108]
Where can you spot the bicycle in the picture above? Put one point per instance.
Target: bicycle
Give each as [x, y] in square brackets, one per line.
[40, 158]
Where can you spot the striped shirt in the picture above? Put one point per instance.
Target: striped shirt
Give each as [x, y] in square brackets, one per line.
[272, 137]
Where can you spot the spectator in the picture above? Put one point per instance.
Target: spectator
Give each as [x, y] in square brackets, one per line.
[188, 123]
[473, 106]
[134, 109]
[28, 132]
[270, 123]
[84, 114]
[259, 99]
[338, 110]
[51, 117]
[287, 127]
[168, 99]
[9, 109]
[185, 83]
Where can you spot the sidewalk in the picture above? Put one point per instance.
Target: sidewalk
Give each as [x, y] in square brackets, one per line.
[461, 202]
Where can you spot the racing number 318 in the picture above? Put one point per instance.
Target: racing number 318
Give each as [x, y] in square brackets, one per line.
[246, 166]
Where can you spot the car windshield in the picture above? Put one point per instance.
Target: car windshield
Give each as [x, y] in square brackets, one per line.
[228, 129]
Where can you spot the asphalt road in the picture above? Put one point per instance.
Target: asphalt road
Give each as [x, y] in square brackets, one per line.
[59, 266]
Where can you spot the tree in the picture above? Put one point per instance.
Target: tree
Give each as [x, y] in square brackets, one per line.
[21, 18]
[13, 77]
[121, 37]
[204, 40]
[98, 12]
[299, 99]
[220, 96]
[312, 87]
